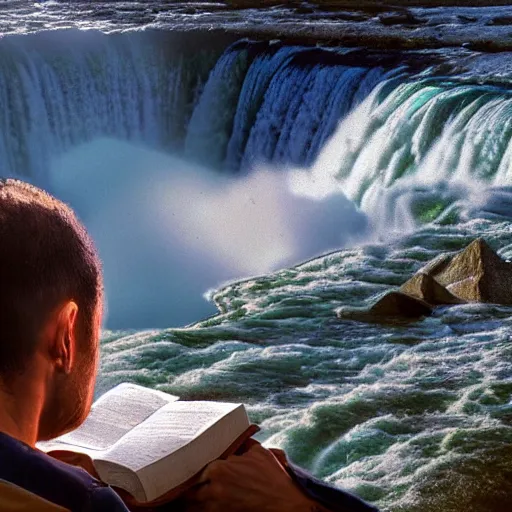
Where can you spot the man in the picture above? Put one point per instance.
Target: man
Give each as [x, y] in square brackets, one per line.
[50, 318]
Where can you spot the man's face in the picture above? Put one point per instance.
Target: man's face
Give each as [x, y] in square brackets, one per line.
[72, 396]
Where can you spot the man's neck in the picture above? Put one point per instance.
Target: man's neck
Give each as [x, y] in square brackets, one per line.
[20, 409]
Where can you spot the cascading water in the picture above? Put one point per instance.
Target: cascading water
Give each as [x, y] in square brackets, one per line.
[254, 103]
[260, 102]
[291, 105]
[416, 147]
[61, 89]
[413, 418]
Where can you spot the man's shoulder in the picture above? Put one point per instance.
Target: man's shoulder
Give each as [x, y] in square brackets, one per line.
[68, 486]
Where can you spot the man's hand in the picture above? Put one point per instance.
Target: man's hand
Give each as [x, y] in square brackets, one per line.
[254, 481]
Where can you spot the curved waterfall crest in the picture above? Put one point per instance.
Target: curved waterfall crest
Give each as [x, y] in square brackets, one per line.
[359, 128]
[415, 148]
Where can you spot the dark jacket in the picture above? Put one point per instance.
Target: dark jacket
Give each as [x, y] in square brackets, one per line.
[74, 489]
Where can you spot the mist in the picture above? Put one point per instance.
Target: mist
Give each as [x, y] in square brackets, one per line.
[167, 230]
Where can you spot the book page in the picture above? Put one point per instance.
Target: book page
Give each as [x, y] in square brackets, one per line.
[176, 469]
[113, 415]
[167, 430]
[171, 446]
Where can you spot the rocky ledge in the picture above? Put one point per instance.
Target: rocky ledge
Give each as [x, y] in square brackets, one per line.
[401, 24]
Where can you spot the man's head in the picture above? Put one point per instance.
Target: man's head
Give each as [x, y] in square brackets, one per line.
[50, 305]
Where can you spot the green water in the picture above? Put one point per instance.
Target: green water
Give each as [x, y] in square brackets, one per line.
[411, 418]
[415, 417]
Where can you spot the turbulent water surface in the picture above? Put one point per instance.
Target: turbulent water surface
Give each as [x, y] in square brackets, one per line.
[195, 159]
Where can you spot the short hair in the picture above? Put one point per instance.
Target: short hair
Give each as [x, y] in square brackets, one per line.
[46, 258]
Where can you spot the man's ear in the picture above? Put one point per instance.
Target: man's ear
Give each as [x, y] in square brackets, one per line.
[63, 348]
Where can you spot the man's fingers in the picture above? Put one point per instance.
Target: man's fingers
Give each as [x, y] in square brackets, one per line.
[213, 471]
[255, 450]
[255, 447]
[258, 452]
[254, 481]
[249, 444]
[199, 493]
[280, 455]
[219, 474]
[202, 498]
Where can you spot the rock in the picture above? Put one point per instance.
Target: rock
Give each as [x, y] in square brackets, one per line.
[466, 288]
[426, 288]
[400, 304]
[467, 19]
[400, 18]
[393, 308]
[501, 21]
[437, 265]
[484, 46]
[476, 274]
[305, 9]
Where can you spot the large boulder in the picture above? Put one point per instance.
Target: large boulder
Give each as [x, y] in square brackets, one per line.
[426, 288]
[400, 304]
[476, 274]
[394, 307]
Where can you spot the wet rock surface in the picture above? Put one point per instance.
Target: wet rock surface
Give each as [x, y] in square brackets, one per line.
[426, 288]
[394, 307]
[477, 274]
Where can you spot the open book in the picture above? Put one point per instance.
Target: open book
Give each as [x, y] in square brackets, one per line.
[148, 443]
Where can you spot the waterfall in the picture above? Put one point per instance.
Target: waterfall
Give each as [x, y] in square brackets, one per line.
[302, 107]
[61, 89]
[212, 120]
[227, 108]
[274, 104]
[432, 130]
[356, 127]
[414, 147]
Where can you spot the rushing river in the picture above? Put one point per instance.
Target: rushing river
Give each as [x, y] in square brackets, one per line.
[199, 162]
